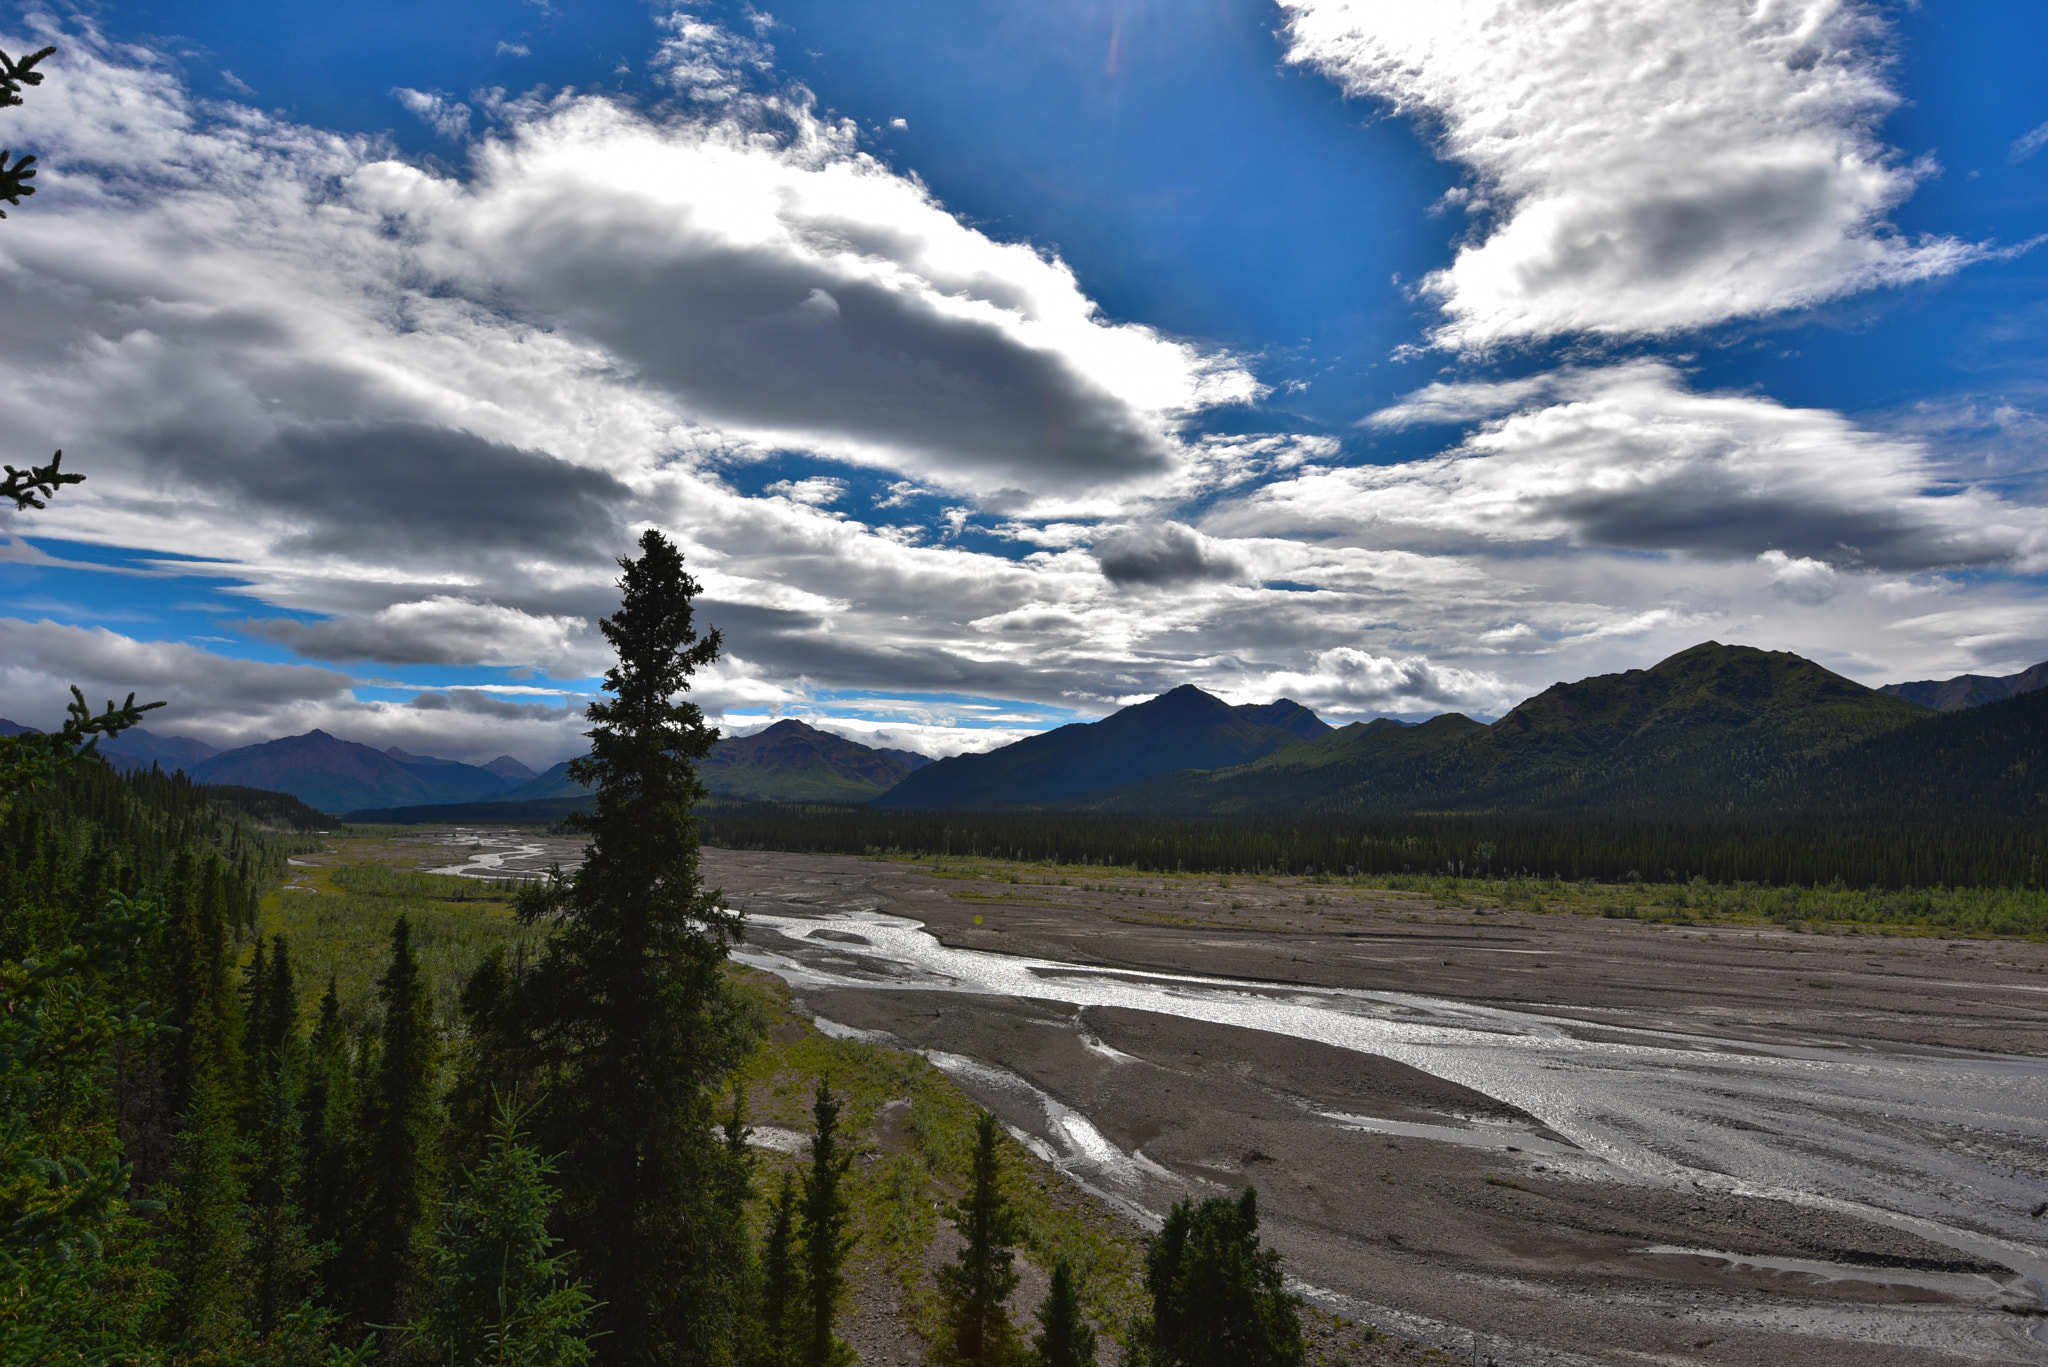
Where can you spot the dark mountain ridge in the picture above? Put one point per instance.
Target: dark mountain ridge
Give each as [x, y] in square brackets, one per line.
[1969, 690]
[1701, 733]
[790, 761]
[793, 762]
[338, 775]
[1179, 730]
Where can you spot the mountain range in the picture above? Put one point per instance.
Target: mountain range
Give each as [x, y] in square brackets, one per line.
[1712, 730]
[1969, 690]
[788, 762]
[1705, 732]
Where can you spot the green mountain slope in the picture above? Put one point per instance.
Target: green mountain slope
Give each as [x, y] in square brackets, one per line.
[552, 784]
[792, 762]
[1985, 764]
[1709, 731]
[1366, 766]
[1183, 729]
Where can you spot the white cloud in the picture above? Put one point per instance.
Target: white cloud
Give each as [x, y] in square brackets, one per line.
[1642, 167]
[1801, 579]
[818, 491]
[708, 62]
[2030, 142]
[448, 119]
[1630, 458]
[1350, 682]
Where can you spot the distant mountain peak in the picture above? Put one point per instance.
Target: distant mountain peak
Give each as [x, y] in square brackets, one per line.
[340, 776]
[791, 760]
[1970, 690]
[1184, 728]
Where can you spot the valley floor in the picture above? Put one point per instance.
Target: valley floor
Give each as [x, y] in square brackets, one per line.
[1535, 1138]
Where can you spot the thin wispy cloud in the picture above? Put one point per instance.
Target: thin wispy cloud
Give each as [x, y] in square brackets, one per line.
[2029, 143]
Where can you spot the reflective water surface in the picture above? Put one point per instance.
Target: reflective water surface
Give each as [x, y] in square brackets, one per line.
[1935, 1141]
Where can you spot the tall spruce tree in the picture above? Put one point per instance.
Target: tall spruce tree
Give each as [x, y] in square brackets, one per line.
[737, 1254]
[782, 1284]
[281, 1252]
[977, 1286]
[1218, 1299]
[399, 1142]
[205, 1223]
[255, 996]
[825, 1213]
[629, 1008]
[1064, 1338]
[328, 1131]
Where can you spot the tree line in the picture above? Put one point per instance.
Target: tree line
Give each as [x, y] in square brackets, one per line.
[1786, 853]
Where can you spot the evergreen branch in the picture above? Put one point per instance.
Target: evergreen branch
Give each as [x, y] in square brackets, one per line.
[28, 488]
[16, 74]
[14, 180]
[34, 758]
[81, 727]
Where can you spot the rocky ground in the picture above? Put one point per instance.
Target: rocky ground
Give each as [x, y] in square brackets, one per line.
[1445, 1248]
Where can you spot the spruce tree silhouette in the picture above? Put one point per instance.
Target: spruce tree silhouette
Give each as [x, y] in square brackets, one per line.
[1065, 1339]
[628, 1012]
[976, 1287]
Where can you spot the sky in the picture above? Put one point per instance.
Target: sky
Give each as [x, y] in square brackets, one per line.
[996, 365]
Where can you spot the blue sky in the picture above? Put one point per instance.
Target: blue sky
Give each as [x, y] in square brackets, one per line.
[1001, 363]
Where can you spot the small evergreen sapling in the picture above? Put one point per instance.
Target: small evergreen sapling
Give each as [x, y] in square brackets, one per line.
[1217, 1296]
[825, 1213]
[1065, 1338]
[977, 1287]
[782, 1283]
[500, 1296]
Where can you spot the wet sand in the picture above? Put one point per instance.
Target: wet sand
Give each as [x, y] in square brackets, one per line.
[1510, 1244]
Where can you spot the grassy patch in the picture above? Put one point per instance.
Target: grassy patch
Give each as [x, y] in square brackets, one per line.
[917, 1130]
[1947, 912]
[337, 916]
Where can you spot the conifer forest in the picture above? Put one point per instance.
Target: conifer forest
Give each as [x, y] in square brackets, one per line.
[451, 1123]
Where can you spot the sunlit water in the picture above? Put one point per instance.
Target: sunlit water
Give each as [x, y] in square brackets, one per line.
[1920, 1138]
[490, 852]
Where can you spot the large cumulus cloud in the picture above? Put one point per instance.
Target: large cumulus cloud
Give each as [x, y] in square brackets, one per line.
[1641, 167]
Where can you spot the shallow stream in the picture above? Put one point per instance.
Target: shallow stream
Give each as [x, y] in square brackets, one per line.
[1934, 1141]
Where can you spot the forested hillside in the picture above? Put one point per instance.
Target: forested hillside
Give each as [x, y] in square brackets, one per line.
[1708, 733]
[377, 1117]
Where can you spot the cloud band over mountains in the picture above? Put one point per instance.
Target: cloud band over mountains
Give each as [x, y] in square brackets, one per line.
[411, 414]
